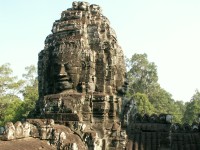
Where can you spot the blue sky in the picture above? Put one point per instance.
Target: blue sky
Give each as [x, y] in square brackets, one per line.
[167, 30]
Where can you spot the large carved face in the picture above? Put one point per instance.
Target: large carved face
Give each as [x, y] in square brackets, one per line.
[62, 79]
[64, 69]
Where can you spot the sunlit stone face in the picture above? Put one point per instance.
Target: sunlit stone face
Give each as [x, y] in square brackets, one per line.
[64, 71]
[62, 78]
[75, 5]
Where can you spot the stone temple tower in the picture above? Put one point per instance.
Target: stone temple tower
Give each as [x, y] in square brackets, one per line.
[81, 73]
[82, 82]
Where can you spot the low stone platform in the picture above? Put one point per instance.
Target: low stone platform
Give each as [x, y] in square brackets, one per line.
[26, 144]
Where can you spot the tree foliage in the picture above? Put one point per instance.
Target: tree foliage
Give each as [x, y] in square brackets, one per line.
[10, 86]
[17, 97]
[192, 108]
[143, 104]
[143, 79]
[30, 91]
[180, 108]
[142, 74]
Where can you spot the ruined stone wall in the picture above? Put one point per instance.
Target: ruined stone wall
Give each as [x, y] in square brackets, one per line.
[156, 132]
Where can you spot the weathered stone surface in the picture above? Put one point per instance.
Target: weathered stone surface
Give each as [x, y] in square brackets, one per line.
[2, 129]
[157, 132]
[18, 130]
[81, 73]
[26, 144]
[82, 81]
[9, 133]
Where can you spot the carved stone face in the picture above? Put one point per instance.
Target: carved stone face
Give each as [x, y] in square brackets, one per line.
[75, 5]
[83, 5]
[95, 9]
[64, 70]
[62, 78]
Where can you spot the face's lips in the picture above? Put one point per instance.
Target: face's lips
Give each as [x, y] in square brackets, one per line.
[63, 85]
[62, 79]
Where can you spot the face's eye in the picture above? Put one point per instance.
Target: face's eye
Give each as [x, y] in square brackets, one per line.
[57, 68]
[68, 66]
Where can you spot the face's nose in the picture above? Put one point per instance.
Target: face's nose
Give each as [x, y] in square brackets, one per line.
[62, 72]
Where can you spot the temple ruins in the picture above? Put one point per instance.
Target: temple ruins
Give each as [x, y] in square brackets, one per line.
[82, 86]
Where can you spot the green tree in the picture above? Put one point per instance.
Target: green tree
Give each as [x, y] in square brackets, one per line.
[142, 74]
[160, 99]
[12, 110]
[143, 104]
[17, 97]
[179, 111]
[164, 103]
[143, 79]
[10, 103]
[192, 108]
[30, 91]
[9, 84]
